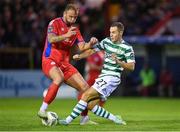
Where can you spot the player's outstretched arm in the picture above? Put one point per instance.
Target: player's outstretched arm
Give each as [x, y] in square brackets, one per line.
[85, 46]
[84, 54]
[128, 66]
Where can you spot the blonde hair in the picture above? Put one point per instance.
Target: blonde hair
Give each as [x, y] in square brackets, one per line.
[72, 7]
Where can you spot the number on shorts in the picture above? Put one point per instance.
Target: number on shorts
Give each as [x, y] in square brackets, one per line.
[101, 82]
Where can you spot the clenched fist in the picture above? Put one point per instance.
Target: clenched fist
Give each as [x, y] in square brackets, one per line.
[93, 41]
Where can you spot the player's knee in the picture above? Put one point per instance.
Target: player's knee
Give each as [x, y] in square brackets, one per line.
[91, 104]
[58, 80]
[84, 87]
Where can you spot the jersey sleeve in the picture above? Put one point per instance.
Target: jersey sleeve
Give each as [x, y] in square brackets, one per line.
[52, 28]
[99, 46]
[95, 59]
[79, 37]
[129, 55]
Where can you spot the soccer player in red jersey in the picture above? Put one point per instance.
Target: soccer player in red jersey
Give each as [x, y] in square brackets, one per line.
[93, 68]
[61, 36]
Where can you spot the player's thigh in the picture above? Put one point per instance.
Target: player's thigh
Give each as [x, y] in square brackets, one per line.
[56, 74]
[77, 81]
[52, 70]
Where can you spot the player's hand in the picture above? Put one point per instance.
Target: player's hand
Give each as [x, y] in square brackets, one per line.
[114, 57]
[70, 32]
[93, 41]
[76, 57]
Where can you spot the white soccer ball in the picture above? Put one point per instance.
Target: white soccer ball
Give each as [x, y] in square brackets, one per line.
[52, 119]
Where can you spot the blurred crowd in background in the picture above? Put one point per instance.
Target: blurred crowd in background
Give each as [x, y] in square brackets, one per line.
[23, 24]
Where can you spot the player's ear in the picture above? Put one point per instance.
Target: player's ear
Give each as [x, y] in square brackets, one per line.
[64, 13]
[121, 33]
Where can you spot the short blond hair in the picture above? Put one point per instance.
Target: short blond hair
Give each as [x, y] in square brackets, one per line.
[71, 7]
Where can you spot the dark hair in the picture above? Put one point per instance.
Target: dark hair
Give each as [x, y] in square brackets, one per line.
[119, 25]
[71, 7]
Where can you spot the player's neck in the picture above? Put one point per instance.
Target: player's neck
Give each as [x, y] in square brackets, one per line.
[65, 21]
[118, 41]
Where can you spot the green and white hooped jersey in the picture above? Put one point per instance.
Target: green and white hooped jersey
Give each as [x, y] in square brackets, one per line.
[124, 52]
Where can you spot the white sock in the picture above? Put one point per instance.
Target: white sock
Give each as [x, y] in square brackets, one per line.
[69, 119]
[111, 117]
[95, 108]
[44, 107]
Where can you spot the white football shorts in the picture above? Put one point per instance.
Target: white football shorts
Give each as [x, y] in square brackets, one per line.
[106, 85]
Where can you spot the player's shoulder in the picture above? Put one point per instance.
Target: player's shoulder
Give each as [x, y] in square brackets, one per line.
[126, 44]
[107, 39]
[55, 20]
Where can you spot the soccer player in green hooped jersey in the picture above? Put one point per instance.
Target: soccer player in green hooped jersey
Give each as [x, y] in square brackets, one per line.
[118, 56]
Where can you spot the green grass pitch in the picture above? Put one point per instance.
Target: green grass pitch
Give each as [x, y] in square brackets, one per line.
[141, 114]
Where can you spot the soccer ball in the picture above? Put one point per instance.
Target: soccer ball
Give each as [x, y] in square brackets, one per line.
[52, 119]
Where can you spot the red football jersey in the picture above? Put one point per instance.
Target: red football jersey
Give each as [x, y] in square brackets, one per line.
[60, 51]
[95, 59]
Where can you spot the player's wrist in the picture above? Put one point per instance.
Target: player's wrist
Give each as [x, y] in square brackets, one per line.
[79, 56]
[119, 62]
[63, 37]
[91, 44]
